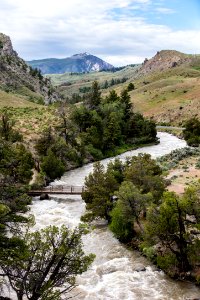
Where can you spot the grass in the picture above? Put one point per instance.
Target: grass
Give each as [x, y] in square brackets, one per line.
[13, 100]
[85, 80]
[171, 96]
[32, 120]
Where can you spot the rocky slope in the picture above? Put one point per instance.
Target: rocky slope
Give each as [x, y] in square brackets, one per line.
[17, 77]
[163, 60]
[78, 63]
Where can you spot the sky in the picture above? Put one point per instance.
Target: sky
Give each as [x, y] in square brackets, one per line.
[119, 31]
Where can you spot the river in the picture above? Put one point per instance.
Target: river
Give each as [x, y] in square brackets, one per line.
[115, 272]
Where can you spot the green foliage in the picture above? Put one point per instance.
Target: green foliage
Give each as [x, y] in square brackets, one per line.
[197, 166]
[112, 135]
[104, 124]
[35, 72]
[168, 262]
[96, 153]
[112, 97]
[168, 225]
[120, 226]
[172, 159]
[49, 264]
[16, 165]
[130, 204]
[99, 187]
[6, 128]
[44, 142]
[141, 130]
[145, 174]
[149, 252]
[52, 166]
[94, 97]
[116, 168]
[113, 81]
[191, 132]
[130, 87]
[16, 162]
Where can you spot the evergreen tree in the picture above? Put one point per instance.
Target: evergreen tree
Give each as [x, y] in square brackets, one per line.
[7, 132]
[130, 87]
[94, 97]
[99, 188]
[167, 224]
[45, 142]
[52, 166]
[146, 175]
[130, 204]
[112, 97]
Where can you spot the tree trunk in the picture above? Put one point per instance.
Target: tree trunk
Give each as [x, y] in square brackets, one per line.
[20, 296]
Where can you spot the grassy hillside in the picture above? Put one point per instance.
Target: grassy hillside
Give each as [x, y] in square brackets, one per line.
[167, 87]
[169, 97]
[30, 119]
[14, 100]
[69, 84]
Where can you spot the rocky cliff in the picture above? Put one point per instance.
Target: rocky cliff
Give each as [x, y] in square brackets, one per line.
[17, 77]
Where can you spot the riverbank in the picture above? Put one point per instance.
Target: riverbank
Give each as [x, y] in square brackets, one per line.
[113, 274]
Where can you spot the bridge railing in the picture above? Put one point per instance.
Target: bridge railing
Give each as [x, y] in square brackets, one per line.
[65, 188]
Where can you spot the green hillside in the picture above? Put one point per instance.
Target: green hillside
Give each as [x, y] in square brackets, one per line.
[72, 83]
[166, 86]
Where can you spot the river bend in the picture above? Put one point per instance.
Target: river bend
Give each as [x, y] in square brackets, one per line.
[115, 273]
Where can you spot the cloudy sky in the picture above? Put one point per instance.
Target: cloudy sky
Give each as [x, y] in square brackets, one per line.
[119, 31]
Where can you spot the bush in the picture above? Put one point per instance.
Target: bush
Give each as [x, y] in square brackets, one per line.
[122, 229]
[130, 87]
[192, 132]
[167, 263]
[198, 164]
[96, 153]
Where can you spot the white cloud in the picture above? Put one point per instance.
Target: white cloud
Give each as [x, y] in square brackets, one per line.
[164, 10]
[49, 28]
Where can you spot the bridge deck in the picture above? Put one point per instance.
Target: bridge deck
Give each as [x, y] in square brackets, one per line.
[58, 189]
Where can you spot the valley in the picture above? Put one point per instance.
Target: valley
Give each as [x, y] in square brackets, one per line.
[59, 128]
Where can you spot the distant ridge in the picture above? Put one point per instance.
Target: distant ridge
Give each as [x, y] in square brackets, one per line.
[77, 63]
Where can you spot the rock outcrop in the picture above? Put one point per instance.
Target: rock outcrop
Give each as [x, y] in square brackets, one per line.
[163, 60]
[17, 77]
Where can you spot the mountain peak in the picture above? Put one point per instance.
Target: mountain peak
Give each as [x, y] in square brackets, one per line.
[77, 63]
[80, 55]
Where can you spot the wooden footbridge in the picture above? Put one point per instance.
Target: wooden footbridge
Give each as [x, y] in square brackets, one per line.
[58, 189]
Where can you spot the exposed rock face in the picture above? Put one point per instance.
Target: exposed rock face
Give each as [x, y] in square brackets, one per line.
[163, 60]
[6, 46]
[16, 75]
[77, 63]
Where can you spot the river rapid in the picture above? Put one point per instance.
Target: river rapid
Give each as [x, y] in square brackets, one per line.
[116, 272]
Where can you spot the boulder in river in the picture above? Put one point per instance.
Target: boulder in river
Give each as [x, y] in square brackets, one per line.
[44, 196]
[139, 268]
